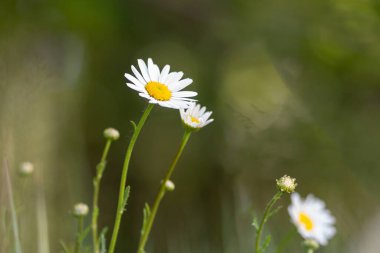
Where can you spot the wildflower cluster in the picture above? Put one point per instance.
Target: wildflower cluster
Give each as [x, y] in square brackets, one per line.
[312, 220]
[165, 88]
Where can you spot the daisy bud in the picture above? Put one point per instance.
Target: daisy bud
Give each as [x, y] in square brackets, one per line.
[311, 244]
[111, 134]
[286, 184]
[26, 169]
[80, 210]
[169, 185]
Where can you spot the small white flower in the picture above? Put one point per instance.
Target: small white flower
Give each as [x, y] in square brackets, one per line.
[161, 87]
[195, 117]
[80, 210]
[26, 169]
[312, 219]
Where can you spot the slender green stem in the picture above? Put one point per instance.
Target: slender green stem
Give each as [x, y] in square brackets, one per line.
[310, 251]
[120, 206]
[265, 218]
[78, 241]
[16, 234]
[95, 208]
[161, 193]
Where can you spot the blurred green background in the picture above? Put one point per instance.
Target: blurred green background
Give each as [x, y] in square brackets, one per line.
[294, 86]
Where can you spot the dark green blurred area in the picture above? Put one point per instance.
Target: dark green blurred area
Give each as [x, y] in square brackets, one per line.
[294, 86]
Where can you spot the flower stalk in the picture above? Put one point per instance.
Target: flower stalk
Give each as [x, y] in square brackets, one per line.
[96, 182]
[121, 200]
[267, 214]
[78, 241]
[147, 226]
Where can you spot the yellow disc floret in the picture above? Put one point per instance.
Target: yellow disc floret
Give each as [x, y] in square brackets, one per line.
[158, 91]
[305, 220]
[194, 120]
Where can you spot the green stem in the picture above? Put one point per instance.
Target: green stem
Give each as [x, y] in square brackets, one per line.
[16, 234]
[120, 206]
[265, 218]
[95, 208]
[310, 251]
[78, 242]
[161, 193]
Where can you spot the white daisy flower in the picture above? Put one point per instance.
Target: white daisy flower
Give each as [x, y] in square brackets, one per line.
[312, 219]
[195, 117]
[160, 87]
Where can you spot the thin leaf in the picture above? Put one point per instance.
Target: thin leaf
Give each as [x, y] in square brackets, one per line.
[126, 197]
[274, 212]
[266, 243]
[103, 248]
[146, 214]
[134, 125]
[84, 233]
[64, 247]
[255, 223]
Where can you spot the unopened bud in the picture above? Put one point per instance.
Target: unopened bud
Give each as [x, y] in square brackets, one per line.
[311, 244]
[80, 210]
[169, 185]
[111, 134]
[26, 169]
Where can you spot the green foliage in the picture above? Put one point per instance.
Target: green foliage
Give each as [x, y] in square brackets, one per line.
[255, 223]
[274, 211]
[102, 241]
[126, 197]
[84, 233]
[266, 243]
[65, 248]
[146, 215]
[134, 125]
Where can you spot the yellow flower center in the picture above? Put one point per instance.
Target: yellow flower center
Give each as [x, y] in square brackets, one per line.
[194, 120]
[158, 91]
[306, 221]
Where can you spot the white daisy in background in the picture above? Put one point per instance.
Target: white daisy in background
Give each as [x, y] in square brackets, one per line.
[312, 219]
[195, 117]
[161, 87]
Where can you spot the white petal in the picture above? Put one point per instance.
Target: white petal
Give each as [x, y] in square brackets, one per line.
[174, 78]
[196, 110]
[132, 86]
[202, 111]
[164, 74]
[177, 86]
[138, 75]
[157, 72]
[208, 122]
[145, 95]
[153, 73]
[144, 70]
[184, 94]
[206, 115]
[134, 80]
[167, 104]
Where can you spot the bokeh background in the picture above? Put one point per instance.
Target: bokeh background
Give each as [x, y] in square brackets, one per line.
[294, 86]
